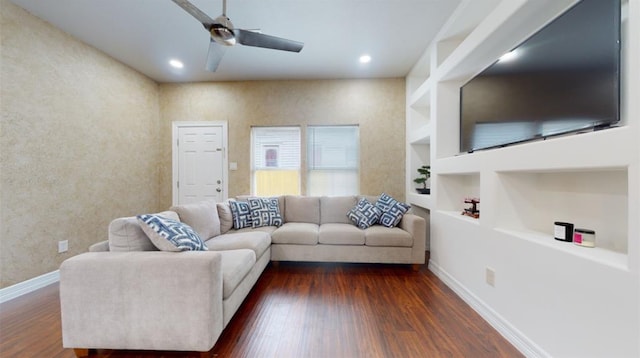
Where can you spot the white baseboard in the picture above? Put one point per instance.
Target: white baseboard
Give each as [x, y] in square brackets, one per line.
[525, 345]
[24, 287]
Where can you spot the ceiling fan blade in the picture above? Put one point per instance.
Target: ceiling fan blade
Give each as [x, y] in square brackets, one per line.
[216, 52]
[250, 38]
[195, 12]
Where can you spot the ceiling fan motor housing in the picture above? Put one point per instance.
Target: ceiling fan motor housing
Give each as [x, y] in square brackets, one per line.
[222, 31]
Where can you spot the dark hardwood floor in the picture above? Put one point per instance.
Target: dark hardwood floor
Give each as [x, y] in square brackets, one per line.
[303, 310]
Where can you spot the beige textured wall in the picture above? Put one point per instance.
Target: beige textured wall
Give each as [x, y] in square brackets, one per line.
[378, 106]
[78, 145]
[85, 139]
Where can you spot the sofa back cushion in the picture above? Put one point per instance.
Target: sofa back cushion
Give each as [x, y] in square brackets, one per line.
[225, 215]
[201, 216]
[302, 209]
[370, 198]
[333, 209]
[125, 234]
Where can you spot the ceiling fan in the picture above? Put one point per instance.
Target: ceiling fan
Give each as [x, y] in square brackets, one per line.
[223, 34]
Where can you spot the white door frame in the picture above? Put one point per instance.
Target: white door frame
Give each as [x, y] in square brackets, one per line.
[176, 125]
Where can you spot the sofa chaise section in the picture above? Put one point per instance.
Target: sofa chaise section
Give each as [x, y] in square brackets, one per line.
[142, 300]
[125, 294]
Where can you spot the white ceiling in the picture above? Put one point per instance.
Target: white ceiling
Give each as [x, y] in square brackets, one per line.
[146, 34]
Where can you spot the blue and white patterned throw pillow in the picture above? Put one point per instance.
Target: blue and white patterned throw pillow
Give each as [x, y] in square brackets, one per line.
[241, 214]
[364, 214]
[264, 212]
[392, 210]
[170, 235]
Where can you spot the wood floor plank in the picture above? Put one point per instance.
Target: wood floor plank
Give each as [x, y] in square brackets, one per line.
[302, 310]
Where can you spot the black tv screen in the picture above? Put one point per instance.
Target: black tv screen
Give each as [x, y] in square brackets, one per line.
[564, 78]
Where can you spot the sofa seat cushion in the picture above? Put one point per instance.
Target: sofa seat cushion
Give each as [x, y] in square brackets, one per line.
[236, 264]
[268, 229]
[340, 234]
[296, 233]
[257, 241]
[378, 235]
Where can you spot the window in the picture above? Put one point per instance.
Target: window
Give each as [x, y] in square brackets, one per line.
[275, 163]
[333, 160]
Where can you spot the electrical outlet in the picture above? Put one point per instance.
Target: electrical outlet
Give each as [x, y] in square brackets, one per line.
[63, 246]
[490, 276]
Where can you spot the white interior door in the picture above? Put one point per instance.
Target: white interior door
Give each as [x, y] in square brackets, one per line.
[199, 162]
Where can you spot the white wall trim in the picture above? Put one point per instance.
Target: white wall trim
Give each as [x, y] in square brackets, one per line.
[525, 345]
[24, 287]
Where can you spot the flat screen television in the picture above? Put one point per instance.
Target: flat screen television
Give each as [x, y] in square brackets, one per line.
[565, 78]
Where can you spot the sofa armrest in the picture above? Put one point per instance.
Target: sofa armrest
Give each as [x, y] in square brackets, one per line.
[142, 300]
[417, 227]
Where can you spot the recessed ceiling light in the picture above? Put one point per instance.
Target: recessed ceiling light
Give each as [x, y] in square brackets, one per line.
[365, 59]
[176, 63]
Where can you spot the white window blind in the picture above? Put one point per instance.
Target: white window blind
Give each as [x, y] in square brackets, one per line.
[333, 160]
[276, 147]
[275, 160]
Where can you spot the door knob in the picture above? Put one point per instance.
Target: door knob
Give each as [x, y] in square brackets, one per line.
[219, 190]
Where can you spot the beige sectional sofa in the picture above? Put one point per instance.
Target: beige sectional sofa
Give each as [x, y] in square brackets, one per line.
[125, 294]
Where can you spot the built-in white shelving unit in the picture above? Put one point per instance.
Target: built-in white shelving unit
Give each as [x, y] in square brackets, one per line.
[591, 295]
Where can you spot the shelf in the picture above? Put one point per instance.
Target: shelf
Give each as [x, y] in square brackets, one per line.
[576, 151]
[421, 200]
[590, 179]
[452, 189]
[421, 96]
[418, 120]
[421, 135]
[419, 73]
[607, 257]
[458, 215]
[460, 24]
[501, 30]
[596, 199]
